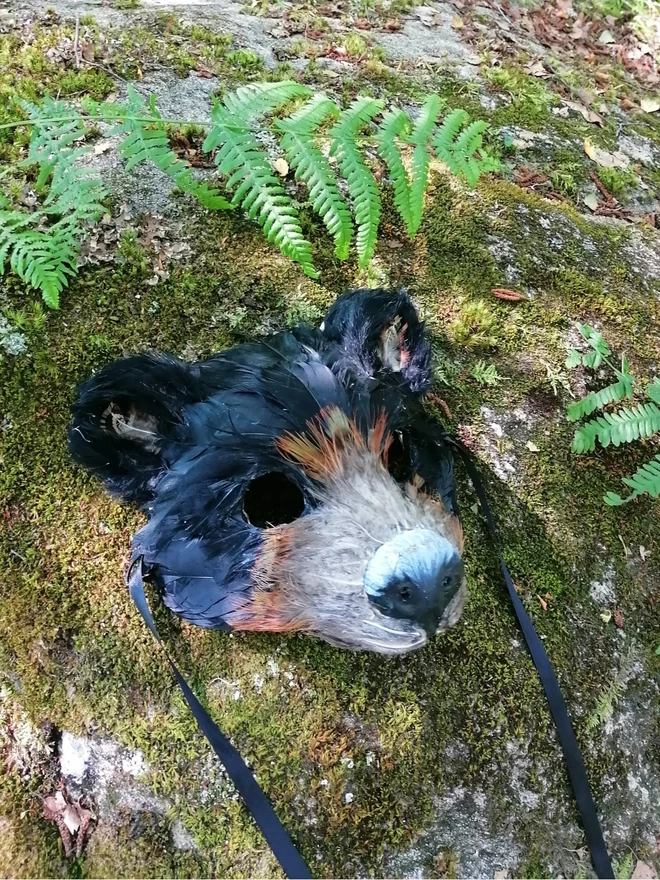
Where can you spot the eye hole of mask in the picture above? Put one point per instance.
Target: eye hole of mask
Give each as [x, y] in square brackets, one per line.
[272, 500]
[398, 463]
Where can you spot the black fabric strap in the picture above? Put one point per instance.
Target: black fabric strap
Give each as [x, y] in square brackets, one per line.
[255, 800]
[569, 744]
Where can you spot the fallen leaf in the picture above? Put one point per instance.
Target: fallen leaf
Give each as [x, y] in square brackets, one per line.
[102, 147]
[603, 158]
[393, 243]
[281, 166]
[204, 72]
[606, 616]
[602, 77]
[606, 37]
[618, 618]
[88, 50]
[473, 58]
[642, 871]
[71, 818]
[507, 294]
[501, 875]
[649, 105]
[544, 604]
[536, 68]
[560, 111]
[589, 115]
[591, 201]
[644, 553]
[627, 104]
[532, 446]
[426, 14]
[457, 22]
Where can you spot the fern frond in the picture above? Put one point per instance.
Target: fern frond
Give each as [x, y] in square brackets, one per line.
[311, 166]
[240, 158]
[73, 187]
[653, 390]
[149, 142]
[629, 424]
[459, 151]
[420, 137]
[645, 481]
[251, 101]
[43, 258]
[360, 180]
[42, 246]
[50, 139]
[600, 399]
[396, 124]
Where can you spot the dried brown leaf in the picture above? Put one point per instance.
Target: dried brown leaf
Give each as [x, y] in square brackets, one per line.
[642, 871]
[649, 105]
[603, 158]
[508, 294]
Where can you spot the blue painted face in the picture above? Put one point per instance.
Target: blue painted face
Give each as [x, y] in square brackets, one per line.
[414, 577]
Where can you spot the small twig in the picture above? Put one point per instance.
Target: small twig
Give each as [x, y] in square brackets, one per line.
[105, 69]
[76, 39]
[611, 202]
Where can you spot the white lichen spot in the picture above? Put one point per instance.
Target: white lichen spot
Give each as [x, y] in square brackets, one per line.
[258, 682]
[182, 838]
[603, 592]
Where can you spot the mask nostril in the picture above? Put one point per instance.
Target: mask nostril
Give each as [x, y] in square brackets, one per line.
[446, 582]
[404, 592]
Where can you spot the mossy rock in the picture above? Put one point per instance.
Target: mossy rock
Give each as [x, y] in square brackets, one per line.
[364, 757]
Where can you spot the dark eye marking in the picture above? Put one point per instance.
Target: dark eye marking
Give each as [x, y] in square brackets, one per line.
[446, 582]
[404, 592]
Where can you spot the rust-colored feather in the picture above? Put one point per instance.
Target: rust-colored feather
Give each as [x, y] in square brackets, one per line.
[330, 439]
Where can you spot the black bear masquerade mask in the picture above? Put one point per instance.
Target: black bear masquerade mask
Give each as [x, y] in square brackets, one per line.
[291, 484]
[294, 484]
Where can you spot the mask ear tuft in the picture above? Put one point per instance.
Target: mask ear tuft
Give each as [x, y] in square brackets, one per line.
[380, 332]
[125, 416]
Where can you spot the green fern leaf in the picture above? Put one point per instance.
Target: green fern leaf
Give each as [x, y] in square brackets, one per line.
[311, 166]
[149, 142]
[396, 124]
[645, 481]
[420, 137]
[42, 246]
[251, 101]
[600, 399]
[50, 139]
[462, 153]
[629, 424]
[360, 180]
[653, 390]
[73, 187]
[240, 158]
[44, 259]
